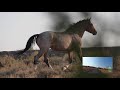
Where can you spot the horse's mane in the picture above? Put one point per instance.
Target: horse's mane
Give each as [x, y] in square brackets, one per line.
[73, 27]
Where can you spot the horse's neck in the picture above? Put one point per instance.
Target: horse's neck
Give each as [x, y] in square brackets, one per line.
[81, 33]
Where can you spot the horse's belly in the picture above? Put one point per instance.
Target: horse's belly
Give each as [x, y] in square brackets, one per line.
[61, 45]
[59, 48]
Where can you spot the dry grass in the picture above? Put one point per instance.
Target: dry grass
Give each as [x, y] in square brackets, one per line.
[23, 67]
[13, 66]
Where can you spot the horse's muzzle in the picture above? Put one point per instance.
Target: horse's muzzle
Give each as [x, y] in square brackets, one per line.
[95, 33]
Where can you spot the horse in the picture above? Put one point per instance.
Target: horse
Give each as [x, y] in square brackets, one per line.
[67, 41]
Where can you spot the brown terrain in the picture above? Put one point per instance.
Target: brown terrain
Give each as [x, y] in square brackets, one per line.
[98, 70]
[14, 66]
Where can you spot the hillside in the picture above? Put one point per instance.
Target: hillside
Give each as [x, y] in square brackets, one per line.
[14, 66]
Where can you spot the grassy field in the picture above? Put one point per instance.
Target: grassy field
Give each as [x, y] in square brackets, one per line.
[13, 66]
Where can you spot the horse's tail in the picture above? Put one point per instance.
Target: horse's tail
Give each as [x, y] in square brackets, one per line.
[29, 43]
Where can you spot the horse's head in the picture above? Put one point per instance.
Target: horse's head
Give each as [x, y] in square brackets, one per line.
[90, 28]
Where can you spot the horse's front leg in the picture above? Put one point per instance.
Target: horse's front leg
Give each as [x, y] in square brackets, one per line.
[81, 57]
[79, 54]
[70, 56]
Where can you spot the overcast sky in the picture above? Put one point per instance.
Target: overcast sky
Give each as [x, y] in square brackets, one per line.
[17, 27]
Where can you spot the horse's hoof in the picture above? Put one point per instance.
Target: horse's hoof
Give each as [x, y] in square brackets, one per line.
[65, 67]
[36, 62]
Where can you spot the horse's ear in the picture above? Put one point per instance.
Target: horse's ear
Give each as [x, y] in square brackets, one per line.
[90, 18]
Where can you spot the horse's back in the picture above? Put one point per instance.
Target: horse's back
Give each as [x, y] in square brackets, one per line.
[44, 39]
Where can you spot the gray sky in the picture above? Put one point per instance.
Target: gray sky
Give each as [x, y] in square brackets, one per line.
[17, 27]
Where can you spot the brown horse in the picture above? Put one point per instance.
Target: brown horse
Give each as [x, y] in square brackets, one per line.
[68, 41]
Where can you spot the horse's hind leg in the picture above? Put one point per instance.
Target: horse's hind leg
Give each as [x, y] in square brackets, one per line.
[40, 53]
[47, 61]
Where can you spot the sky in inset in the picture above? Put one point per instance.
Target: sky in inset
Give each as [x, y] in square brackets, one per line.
[103, 62]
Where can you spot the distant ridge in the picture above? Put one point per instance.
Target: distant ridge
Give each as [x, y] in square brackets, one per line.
[87, 51]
